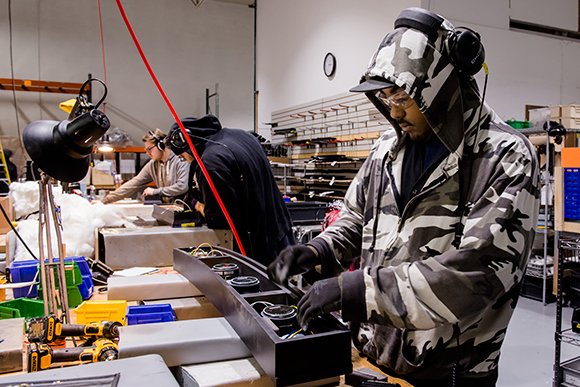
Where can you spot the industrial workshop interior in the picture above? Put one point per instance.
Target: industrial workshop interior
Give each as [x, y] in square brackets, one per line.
[275, 193]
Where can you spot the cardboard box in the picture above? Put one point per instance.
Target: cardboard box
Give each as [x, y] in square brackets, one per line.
[102, 179]
[570, 122]
[570, 111]
[6, 203]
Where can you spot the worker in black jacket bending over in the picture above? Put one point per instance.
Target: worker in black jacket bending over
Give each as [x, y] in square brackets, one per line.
[241, 174]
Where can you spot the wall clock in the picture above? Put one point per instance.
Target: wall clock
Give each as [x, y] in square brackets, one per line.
[329, 65]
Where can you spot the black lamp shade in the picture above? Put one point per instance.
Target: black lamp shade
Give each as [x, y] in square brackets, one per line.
[62, 149]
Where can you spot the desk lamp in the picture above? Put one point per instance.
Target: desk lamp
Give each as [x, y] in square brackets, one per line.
[61, 151]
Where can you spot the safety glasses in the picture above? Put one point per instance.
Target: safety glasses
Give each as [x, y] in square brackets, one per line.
[399, 100]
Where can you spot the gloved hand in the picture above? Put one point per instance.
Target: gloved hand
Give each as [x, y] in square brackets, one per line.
[292, 260]
[323, 297]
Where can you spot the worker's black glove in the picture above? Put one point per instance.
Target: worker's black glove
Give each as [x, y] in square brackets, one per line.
[292, 260]
[323, 297]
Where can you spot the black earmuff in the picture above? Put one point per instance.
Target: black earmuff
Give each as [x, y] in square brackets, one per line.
[160, 144]
[464, 47]
[466, 51]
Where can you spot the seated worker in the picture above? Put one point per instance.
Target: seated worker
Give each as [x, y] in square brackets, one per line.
[442, 215]
[169, 173]
[241, 174]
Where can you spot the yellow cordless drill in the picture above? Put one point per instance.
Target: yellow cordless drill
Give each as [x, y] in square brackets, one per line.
[98, 345]
[49, 328]
[41, 355]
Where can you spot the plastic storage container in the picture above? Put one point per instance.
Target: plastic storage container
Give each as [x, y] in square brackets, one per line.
[73, 280]
[307, 212]
[2, 291]
[27, 307]
[572, 193]
[6, 312]
[149, 314]
[97, 311]
[519, 124]
[25, 271]
[570, 372]
[532, 288]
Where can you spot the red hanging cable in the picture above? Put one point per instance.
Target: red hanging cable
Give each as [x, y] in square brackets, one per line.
[105, 71]
[170, 106]
[102, 46]
[114, 164]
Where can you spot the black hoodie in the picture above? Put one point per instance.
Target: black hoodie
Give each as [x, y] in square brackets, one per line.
[241, 174]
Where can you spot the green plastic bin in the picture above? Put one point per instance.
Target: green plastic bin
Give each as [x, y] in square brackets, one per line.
[27, 307]
[73, 280]
[6, 313]
[519, 124]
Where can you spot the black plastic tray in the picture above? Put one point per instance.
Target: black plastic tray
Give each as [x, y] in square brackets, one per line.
[176, 218]
[325, 354]
[307, 212]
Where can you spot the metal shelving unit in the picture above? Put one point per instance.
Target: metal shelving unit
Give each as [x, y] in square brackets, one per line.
[569, 251]
[325, 181]
[546, 182]
[551, 182]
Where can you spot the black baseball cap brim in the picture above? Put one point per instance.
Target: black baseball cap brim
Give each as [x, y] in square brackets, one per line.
[372, 84]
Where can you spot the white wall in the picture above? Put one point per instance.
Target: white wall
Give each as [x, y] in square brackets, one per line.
[190, 49]
[524, 68]
[293, 38]
[554, 13]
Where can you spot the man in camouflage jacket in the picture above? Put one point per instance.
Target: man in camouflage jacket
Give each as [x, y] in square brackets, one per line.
[441, 270]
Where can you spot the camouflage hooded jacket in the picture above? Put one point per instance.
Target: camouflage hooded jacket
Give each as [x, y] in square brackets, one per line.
[440, 278]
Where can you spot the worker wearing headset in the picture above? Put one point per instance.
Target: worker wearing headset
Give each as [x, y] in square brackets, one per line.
[169, 173]
[442, 215]
[241, 174]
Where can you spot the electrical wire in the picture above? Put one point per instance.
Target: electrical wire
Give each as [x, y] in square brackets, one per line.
[102, 45]
[454, 371]
[183, 130]
[16, 232]
[484, 90]
[184, 203]
[12, 76]
[33, 280]
[194, 252]
[261, 302]
[292, 334]
[112, 158]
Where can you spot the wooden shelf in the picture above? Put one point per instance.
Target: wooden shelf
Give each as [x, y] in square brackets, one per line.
[130, 149]
[42, 86]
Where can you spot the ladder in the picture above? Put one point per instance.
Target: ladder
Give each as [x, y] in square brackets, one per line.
[4, 166]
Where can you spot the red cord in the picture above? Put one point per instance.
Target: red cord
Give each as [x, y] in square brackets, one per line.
[104, 68]
[102, 46]
[113, 160]
[185, 135]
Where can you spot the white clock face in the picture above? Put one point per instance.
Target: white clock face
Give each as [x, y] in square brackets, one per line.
[329, 64]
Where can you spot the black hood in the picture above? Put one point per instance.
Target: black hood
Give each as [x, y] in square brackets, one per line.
[198, 129]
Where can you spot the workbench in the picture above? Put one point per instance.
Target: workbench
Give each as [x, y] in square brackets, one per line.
[133, 207]
[122, 248]
[150, 369]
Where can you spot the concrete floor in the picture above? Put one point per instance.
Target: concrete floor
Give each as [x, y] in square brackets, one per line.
[528, 352]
